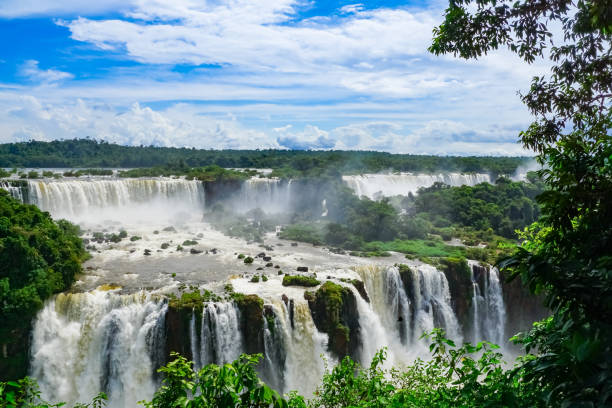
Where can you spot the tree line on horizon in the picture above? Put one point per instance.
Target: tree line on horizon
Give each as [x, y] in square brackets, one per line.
[88, 153]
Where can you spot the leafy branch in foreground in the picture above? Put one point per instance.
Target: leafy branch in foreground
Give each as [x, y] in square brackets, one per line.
[566, 256]
[455, 376]
[25, 394]
[228, 385]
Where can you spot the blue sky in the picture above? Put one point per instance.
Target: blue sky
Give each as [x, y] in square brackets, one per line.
[252, 74]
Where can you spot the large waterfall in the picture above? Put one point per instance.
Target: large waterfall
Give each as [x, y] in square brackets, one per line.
[270, 194]
[375, 186]
[98, 341]
[129, 199]
[407, 306]
[216, 337]
[488, 309]
[105, 341]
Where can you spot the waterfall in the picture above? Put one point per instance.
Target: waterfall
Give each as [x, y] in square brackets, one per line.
[388, 297]
[375, 186]
[433, 303]
[16, 191]
[488, 309]
[218, 339]
[98, 341]
[272, 195]
[496, 310]
[403, 309]
[293, 347]
[106, 198]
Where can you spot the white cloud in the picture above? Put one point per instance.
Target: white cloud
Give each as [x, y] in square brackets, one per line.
[179, 125]
[361, 79]
[28, 8]
[188, 125]
[247, 34]
[352, 8]
[30, 70]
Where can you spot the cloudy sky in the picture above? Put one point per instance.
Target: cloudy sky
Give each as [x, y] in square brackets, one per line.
[289, 74]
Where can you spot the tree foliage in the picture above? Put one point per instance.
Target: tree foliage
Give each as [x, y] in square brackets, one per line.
[287, 163]
[38, 257]
[454, 376]
[567, 255]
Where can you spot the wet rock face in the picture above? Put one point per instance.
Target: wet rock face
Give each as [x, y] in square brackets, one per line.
[458, 275]
[177, 332]
[522, 308]
[218, 191]
[334, 311]
[251, 322]
[360, 286]
[14, 356]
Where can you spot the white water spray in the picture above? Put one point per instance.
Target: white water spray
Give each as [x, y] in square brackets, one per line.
[98, 341]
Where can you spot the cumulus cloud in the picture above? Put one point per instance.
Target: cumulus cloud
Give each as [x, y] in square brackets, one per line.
[188, 125]
[351, 8]
[358, 79]
[28, 8]
[256, 35]
[179, 125]
[311, 138]
[31, 70]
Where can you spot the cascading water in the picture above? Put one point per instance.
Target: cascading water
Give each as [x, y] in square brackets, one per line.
[216, 338]
[375, 186]
[488, 309]
[404, 308]
[98, 341]
[294, 346]
[270, 194]
[111, 198]
[16, 191]
[388, 297]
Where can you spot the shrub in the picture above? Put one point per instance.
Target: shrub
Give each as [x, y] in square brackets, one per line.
[300, 280]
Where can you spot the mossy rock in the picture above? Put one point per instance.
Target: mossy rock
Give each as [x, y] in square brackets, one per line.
[300, 280]
[334, 311]
[458, 275]
[360, 286]
[251, 321]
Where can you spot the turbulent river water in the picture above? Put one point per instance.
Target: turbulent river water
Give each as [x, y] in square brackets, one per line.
[110, 332]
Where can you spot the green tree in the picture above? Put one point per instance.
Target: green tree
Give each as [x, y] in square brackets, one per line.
[234, 385]
[567, 255]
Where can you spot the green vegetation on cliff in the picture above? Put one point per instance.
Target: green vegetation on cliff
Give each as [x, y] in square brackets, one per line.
[38, 257]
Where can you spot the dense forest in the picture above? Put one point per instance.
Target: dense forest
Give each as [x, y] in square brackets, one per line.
[85, 153]
[418, 225]
[38, 257]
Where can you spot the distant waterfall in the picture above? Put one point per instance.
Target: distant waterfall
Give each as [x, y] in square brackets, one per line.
[98, 198]
[99, 341]
[216, 338]
[488, 309]
[375, 186]
[272, 195]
